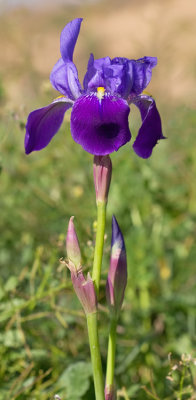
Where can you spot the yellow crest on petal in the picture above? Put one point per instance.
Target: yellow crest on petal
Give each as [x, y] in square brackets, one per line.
[100, 92]
[59, 97]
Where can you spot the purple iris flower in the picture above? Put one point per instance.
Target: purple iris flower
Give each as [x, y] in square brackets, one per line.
[100, 110]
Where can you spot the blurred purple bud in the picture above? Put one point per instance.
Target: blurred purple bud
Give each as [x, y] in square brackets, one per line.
[102, 171]
[72, 246]
[85, 291]
[117, 275]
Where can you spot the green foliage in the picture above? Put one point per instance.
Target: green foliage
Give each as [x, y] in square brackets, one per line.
[74, 381]
[43, 339]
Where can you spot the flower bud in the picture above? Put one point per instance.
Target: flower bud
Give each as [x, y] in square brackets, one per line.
[102, 171]
[72, 245]
[117, 275]
[85, 291]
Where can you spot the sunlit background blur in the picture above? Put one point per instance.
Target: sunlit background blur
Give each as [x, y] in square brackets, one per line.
[42, 340]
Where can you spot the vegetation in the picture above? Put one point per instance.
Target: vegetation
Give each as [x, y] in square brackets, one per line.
[43, 341]
[43, 338]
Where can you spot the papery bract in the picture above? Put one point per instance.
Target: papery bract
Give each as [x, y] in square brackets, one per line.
[72, 245]
[83, 287]
[110, 392]
[85, 290]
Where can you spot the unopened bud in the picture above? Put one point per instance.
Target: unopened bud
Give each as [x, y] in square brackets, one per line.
[117, 275]
[102, 171]
[72, 245]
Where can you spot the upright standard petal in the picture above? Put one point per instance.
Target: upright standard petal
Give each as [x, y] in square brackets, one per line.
[100, 126]
[151, 129]
[142, 73]
[43, 124]
[64, 78]
[115, 77]
[94, 76]
[68, 39]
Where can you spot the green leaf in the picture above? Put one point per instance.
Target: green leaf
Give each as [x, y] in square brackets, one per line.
[11, 284]
[74, 381]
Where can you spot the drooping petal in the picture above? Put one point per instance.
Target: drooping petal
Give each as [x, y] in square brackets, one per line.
[43, 124]
[68, 39]
[151, 130]
[100, 126]
[64, 78]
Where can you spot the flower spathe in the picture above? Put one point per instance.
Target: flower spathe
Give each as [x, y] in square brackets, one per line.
[83, 287]
[102, 172]
[100, 110]
[72, 245]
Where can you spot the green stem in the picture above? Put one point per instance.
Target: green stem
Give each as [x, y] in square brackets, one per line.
[95, 356]
[92, 322]
[111, 355]
[101, 218]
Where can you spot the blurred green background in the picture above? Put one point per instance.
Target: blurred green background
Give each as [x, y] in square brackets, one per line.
[43, 338]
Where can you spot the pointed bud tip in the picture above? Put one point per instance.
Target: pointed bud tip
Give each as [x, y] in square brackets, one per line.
[117, 274]
[117, 236]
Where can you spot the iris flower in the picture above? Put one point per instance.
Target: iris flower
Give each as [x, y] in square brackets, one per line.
[100, 110]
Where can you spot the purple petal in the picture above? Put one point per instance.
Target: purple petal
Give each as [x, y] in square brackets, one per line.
[117, 236]
[126, 77]
[151, 130]
[64, 78]
[95, 73]
[136, 74]
[68, 39]
[142, 73]
[100, 126]
[43, 124]
[115, 77]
